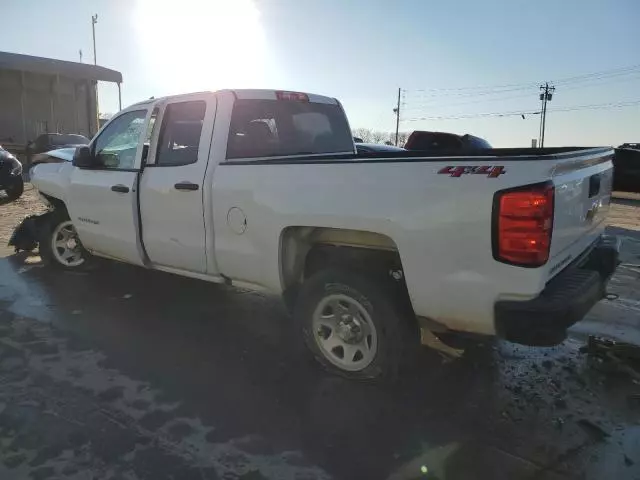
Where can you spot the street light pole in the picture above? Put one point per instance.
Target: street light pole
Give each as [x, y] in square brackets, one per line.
[94, 20]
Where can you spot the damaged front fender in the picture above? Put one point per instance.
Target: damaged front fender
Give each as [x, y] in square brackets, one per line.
[27, 234]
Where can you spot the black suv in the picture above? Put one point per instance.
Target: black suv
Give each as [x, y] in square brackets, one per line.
[10, 175]
[626, 167]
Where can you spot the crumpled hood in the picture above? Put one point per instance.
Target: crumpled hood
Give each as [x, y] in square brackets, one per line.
[65, 154]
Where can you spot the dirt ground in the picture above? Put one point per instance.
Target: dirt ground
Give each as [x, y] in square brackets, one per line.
[11, 213]
[132, 374]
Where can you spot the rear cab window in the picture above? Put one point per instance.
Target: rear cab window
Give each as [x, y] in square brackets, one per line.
[280, 128]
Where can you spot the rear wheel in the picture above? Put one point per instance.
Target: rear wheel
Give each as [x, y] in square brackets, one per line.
[60, 245]
[353, 326]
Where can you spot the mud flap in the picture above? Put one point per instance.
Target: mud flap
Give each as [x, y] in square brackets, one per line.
[25, 236]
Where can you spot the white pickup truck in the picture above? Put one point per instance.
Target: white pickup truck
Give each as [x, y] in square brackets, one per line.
[264, 189]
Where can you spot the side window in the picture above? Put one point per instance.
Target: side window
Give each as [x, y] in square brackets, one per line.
[117, 145]
[179, 138]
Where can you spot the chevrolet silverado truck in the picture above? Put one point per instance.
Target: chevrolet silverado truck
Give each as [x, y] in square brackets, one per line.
[265, 190]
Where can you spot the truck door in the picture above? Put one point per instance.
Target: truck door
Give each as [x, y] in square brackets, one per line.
[172, 189]
[102, 201]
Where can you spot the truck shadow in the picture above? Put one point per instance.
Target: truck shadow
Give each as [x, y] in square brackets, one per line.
[232, 358]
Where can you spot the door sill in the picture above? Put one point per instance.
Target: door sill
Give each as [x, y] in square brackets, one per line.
[190, 274]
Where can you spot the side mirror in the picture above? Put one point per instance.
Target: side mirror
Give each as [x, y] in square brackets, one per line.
[82, 158]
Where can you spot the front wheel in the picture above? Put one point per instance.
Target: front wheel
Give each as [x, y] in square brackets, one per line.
[354, 326]
[60, 245]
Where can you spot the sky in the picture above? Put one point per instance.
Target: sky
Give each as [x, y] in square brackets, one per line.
[461, 58]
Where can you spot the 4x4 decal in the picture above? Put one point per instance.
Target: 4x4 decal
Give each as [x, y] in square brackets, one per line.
[490, 171]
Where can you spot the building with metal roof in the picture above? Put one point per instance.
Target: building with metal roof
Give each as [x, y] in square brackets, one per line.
[45, 95]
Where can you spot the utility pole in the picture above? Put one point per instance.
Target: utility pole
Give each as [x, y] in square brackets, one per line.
[540, 128]
[545, 96]
[94, 20]
[397, 112]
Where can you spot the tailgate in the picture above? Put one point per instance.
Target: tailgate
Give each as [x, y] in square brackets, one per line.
[582, 197]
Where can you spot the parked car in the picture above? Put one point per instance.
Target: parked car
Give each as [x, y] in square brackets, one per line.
[10, 175]
[52, 141]
[445, 142]
[364, 148]
[264, 190]
[626, 163]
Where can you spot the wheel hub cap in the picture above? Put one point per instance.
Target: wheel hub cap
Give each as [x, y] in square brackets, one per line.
[349, 329]
[344, 332]
[65, 245]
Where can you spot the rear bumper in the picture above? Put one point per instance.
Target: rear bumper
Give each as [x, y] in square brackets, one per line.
[565, 300]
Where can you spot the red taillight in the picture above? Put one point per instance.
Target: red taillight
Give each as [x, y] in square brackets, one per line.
[523, 225]
[296, 96]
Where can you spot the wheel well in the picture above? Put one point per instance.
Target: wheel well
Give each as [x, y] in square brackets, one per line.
[307, 250]
[55, 203]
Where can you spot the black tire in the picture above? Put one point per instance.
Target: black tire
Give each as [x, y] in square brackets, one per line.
[15, 190]
[47, 227]
[398, 337]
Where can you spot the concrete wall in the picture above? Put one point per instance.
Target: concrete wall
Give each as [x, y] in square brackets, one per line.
[31, 104]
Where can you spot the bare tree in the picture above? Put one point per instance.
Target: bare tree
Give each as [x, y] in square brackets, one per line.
[375, 136]
[379, 137]
[363, 133]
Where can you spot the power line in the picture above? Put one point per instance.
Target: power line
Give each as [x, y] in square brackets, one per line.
[596, 106]
[592, 83]
[474, 115]
[422, 106]
[597, 82]
[430, 100]
[523, 112]
[601, 74]
[611, 77]
[479, 92]
[457, 89]
[493, 89]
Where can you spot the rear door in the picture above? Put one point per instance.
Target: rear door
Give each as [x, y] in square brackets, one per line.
[102, 201]
[172, 185]
[582, 197]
